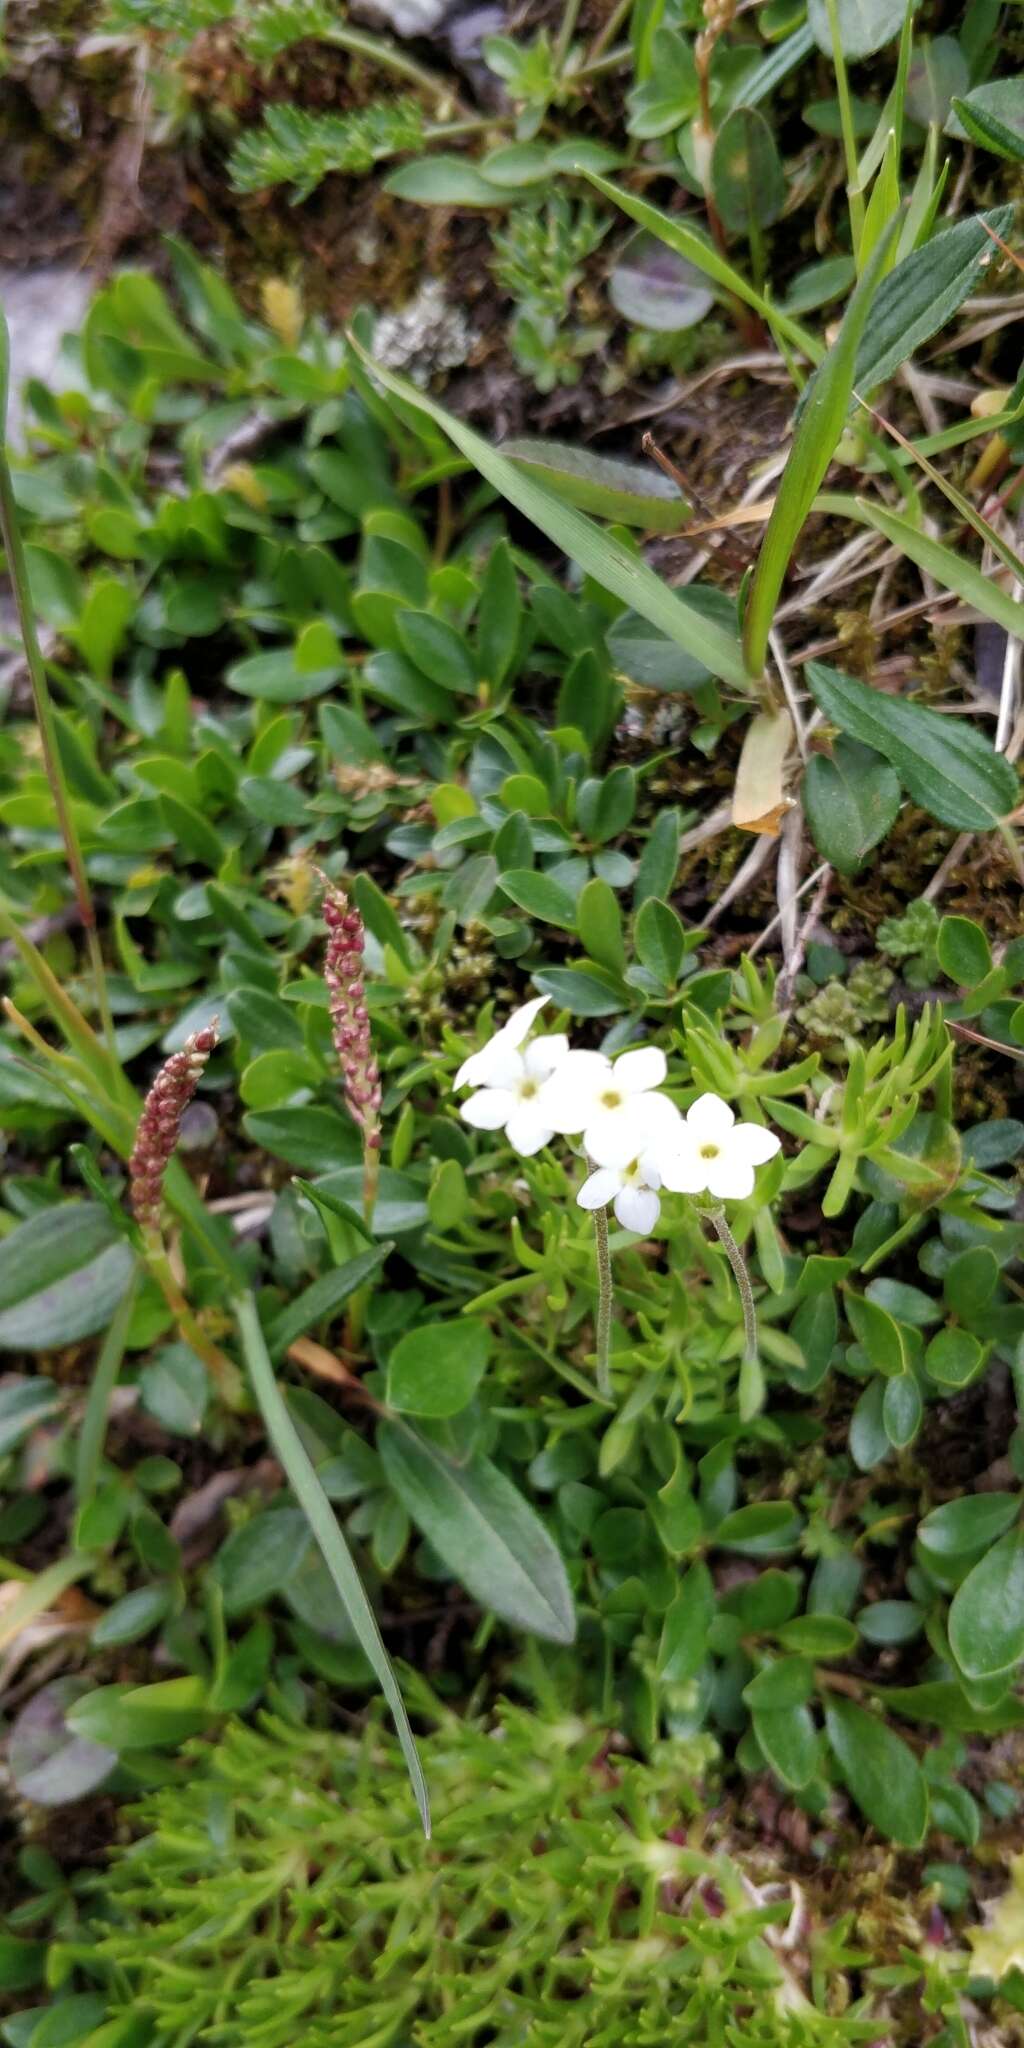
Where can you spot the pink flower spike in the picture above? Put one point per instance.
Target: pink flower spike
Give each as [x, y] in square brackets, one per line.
[159, 1124]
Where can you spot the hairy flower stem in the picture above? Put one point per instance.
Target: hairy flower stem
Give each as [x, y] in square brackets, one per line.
[751, 1377]
[17, 570]
[604, 1305]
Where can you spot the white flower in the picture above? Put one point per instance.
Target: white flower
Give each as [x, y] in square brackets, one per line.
[511, 1100]
[476, 1070]
[613, 1106]
[631, 1190]
[708, 1152]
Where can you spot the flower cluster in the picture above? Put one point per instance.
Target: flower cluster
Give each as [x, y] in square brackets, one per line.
[160, 1123]
[350, 1022]
[635, 1139]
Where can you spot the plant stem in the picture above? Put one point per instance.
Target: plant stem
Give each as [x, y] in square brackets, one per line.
[326, 1531]
[377, 50]
[222, 1369]
[570, 11]
[17, 570]
[604, 1304]
[751, 1376]
[89, 1449]
[619, 14]
[854, 195]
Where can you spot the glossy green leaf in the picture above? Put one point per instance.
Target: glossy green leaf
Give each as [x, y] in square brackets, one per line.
[850, 801]
[62, 1274]
[435, 1370]
[879, 1771]
[947, 767]
[484, 1531]
[964, 951]
[631, 493]
[986, 1620]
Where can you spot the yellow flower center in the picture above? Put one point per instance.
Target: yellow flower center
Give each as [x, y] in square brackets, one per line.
[611, 1099]
[709, 1151]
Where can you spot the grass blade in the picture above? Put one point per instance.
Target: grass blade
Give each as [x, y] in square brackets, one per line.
[324, 1525]
[593, 550]
[822, 420]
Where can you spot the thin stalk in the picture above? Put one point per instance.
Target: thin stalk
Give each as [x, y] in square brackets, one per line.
[618, 16]
[854, 195]
[17, 570]
[326, 1531]
[41, 1592]
[94, 1422]
[221, 1368]
[570, 13]
[377, 50]
[604, 1304]
[751, 1376]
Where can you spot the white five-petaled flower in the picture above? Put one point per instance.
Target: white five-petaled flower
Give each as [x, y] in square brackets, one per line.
[631, 1190]
[708, 1152]
[613, 1106]
[509, 1081]
[476, 1070]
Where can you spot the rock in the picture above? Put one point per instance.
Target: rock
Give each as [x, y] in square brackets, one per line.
[41, 307]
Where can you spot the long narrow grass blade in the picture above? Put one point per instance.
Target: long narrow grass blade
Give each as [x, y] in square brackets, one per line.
[324, 1525]
[41, 1592]
[821, 423]
[586, 544]
[89, 1449]
[963, 578]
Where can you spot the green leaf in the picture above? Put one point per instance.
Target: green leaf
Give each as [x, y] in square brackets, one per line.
[760, 1530]
[659, 861]
[993, 114]
[822, 419]
[747, 179]
[944, 764]
[880, 1772]
[499, 619]
[971, 1523]
[444, 180]
[599, 924]
[864, 25]
[62, 1274]
[660, 940]
[121, 1717]
[631, 493]
[964, 951]
[784, 1682]
[484, 1531]
[597, 553]
[789, 1740]
[650, 657]
[323, 1298]
[540, 897]
[818, 1635]
[437, 650]
[986, 1620]
[584, 990]
[24, 1404]
[850, 801]
[175, 1389]
[133, 1617]
[260, 1557]
[878, 1332]
[684, 1634]
[435, 1370]
[902, 1410]
[954, 1358]
[922, 294]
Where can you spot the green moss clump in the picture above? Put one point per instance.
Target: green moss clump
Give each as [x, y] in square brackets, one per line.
[279, 1890]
